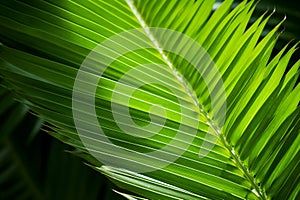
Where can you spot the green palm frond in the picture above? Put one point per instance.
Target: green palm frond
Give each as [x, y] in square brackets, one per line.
[34, 166]
[253, 155]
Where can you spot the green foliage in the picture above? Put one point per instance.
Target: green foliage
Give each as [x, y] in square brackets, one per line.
[34, 166]
[256, 155]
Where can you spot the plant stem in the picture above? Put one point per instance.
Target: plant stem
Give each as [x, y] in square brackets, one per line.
[245, 170]
[258, 191]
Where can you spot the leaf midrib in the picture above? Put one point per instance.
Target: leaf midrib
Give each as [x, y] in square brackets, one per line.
[211, 122]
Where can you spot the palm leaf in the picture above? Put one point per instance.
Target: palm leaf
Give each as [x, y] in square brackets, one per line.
[253, 155]
[34, 166]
